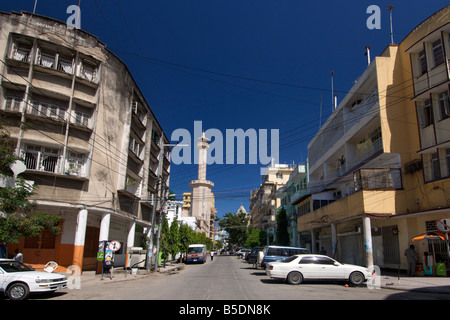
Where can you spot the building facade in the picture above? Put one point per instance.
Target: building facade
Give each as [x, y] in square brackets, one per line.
[264, 202]
[88, 138]
[379, 165]
[296, 187]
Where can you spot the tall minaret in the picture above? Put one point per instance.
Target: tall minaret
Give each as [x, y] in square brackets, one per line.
[202, 145]
[201, 195]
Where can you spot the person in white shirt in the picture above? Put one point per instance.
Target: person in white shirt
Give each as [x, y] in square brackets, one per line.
[18, 256]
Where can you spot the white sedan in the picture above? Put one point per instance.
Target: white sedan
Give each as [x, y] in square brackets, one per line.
[297, 268]
[18, 280]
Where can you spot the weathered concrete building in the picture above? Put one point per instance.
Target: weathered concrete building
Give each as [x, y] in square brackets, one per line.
[88, 138]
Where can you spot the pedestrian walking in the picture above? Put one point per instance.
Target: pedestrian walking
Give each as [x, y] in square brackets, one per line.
[212, 255]
[411, 258]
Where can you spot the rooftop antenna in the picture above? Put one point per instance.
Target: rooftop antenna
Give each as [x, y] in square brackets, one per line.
[368, 54]
[320, 114]
[34, 9]
[390, 15]
[332, 89]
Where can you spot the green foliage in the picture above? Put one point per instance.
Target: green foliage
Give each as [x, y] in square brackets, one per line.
[236, 226]
[282, 228]
[18, 216]
[164, 244]
[253, 239]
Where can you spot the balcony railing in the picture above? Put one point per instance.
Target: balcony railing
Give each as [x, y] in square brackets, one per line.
[41, 159]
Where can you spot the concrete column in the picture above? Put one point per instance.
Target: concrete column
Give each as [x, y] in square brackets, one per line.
[368, 251]
[104, 227]
[80, 234]
[130, 240]
[313, 241]
[333, 240]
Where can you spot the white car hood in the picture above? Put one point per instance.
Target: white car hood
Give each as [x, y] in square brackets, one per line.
[36, 275]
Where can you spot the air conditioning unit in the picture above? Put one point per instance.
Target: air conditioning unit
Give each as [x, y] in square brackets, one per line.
[413, 166]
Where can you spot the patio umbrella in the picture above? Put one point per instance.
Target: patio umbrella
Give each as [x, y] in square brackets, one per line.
[430, 236]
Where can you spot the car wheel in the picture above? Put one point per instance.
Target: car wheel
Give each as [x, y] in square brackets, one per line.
[18, 291]
[295, 277]
[356, 278]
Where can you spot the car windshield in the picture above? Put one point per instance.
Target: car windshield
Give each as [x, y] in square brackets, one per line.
[195, 250]
[14, 266]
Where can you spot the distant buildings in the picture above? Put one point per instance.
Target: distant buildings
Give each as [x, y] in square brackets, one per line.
[263, 201]
[379, 167]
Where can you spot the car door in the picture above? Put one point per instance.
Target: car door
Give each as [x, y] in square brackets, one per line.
[329, 268]
[309, 268]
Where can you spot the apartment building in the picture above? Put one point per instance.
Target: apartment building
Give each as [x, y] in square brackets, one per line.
[263, 201]
[88, 138]
[379, 165]
[290, 195]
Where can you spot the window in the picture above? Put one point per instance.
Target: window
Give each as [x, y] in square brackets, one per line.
[82, 118]
[279, 175]
[426, 114]
[45, 58]
[21, 52]
[88, 70]
[12, 104]
[65, 64]
[435, 167]
[448, 161]
[75, 163]
[444, 105]
[42, 159]
[438, 53]
[422, 62]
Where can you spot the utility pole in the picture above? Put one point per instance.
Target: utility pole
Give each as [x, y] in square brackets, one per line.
[150, 248]
[151, 245]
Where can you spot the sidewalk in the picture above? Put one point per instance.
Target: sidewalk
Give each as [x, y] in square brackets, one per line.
[390, 280]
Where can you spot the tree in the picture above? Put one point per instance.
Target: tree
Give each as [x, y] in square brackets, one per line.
[253, 239]
[164, 246]
[282, 228]
[236, 226]
[174, 239]
[18, 216]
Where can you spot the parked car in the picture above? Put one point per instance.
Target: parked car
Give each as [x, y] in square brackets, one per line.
[297, 268]
[253, 255]
[278, 253]
[17, 280]
[241, 252]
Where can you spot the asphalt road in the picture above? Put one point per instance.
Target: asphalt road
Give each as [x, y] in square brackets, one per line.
[227, 278]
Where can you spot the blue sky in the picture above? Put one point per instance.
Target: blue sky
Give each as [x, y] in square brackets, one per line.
[249, 64]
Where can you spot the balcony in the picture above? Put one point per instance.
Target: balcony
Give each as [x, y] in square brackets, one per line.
[50, 161]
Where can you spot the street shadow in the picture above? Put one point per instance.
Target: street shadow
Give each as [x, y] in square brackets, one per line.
[426, 293]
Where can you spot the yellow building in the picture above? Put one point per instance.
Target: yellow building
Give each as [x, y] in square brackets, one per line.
[379, 170]
[264, 202]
